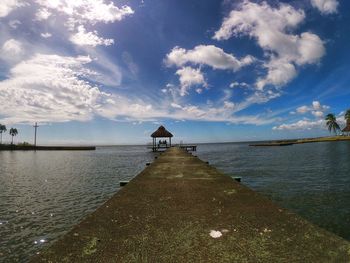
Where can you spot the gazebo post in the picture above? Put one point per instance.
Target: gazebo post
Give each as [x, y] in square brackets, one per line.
[170, 141]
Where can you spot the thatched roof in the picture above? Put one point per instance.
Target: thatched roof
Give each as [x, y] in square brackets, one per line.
[347, 128]
[161, 133]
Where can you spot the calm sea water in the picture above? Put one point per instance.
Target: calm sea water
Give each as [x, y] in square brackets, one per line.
[43, 194]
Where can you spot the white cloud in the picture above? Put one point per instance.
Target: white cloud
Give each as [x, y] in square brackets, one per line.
[87, 11]
[189, 77]
[272, 27]
[316, 109]
[301, 125]
[325, 6]
[316, 105]
[229, 105]
[176, 106]
[52, 88]
[83, 38]
[46, 35]
[303, 109]
[206, 55]
[11, 50]
[13, 47]
[7, 6]
[279, 73]
[47, 88]
[42, 14]
[238, 84]
[317, 114]
[14, 23]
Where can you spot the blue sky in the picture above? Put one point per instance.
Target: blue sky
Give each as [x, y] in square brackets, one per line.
[110, 72]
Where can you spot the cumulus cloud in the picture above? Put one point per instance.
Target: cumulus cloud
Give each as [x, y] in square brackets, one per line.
[325, 6]
[42, 14]
[189, 77]
[11, 50]
[301, 125]
[7, 6]
[87, 11]
[315, 109]
[229, 105]
[318, 114]
[272, 27]
[84, 38]
[48, 88]
[238, 84]
[46, 35]
[13, 47]
[206, 55]
[52, 88]
[303, 109]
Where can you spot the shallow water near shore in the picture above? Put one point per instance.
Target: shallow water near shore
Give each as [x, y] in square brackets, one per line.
[43, 194]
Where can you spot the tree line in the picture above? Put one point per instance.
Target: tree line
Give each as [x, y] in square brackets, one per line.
[13, 132]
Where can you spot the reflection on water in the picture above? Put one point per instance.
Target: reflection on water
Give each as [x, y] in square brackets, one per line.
[43, 194]
[312, 180]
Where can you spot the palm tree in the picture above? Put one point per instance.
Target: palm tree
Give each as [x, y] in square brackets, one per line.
[13, 132]
[332, 123]
[347, 116]
[347, 125]
[2, 129]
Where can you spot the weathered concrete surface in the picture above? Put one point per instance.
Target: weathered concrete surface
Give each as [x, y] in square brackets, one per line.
[167, 212]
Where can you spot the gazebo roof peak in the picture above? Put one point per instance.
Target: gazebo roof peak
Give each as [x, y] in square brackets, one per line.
[161, 132]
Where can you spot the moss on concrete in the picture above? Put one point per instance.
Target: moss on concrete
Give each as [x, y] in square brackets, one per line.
[168, 212]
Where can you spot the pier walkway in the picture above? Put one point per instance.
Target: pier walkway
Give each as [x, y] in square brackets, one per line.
[180, 209]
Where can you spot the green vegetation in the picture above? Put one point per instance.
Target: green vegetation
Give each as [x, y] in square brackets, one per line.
[13, 132]
[332, 123]
[347, 116]
[24, 144]
[2, 130]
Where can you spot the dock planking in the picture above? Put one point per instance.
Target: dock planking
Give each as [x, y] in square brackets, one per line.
[168, 211]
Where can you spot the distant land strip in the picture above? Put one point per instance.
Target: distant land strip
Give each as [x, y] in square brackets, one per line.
[300, 141]
[45, 148]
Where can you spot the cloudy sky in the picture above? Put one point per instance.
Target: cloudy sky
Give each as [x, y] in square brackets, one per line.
[109, 72]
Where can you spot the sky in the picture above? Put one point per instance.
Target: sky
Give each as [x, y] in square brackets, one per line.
[110, 72]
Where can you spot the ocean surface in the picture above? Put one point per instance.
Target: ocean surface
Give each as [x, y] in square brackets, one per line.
[43, 194]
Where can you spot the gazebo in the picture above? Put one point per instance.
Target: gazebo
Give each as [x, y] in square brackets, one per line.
[347, 128]
[161, 132]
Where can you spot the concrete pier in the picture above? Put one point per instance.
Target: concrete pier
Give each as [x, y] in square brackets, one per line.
[180, 209]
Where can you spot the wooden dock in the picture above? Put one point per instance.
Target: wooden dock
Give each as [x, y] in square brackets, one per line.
[158, 148]
[180, 209]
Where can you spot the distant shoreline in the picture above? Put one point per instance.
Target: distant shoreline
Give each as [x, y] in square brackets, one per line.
[45, 148]
[301, 141]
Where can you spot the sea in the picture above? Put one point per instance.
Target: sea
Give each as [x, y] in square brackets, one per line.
[43, 194]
